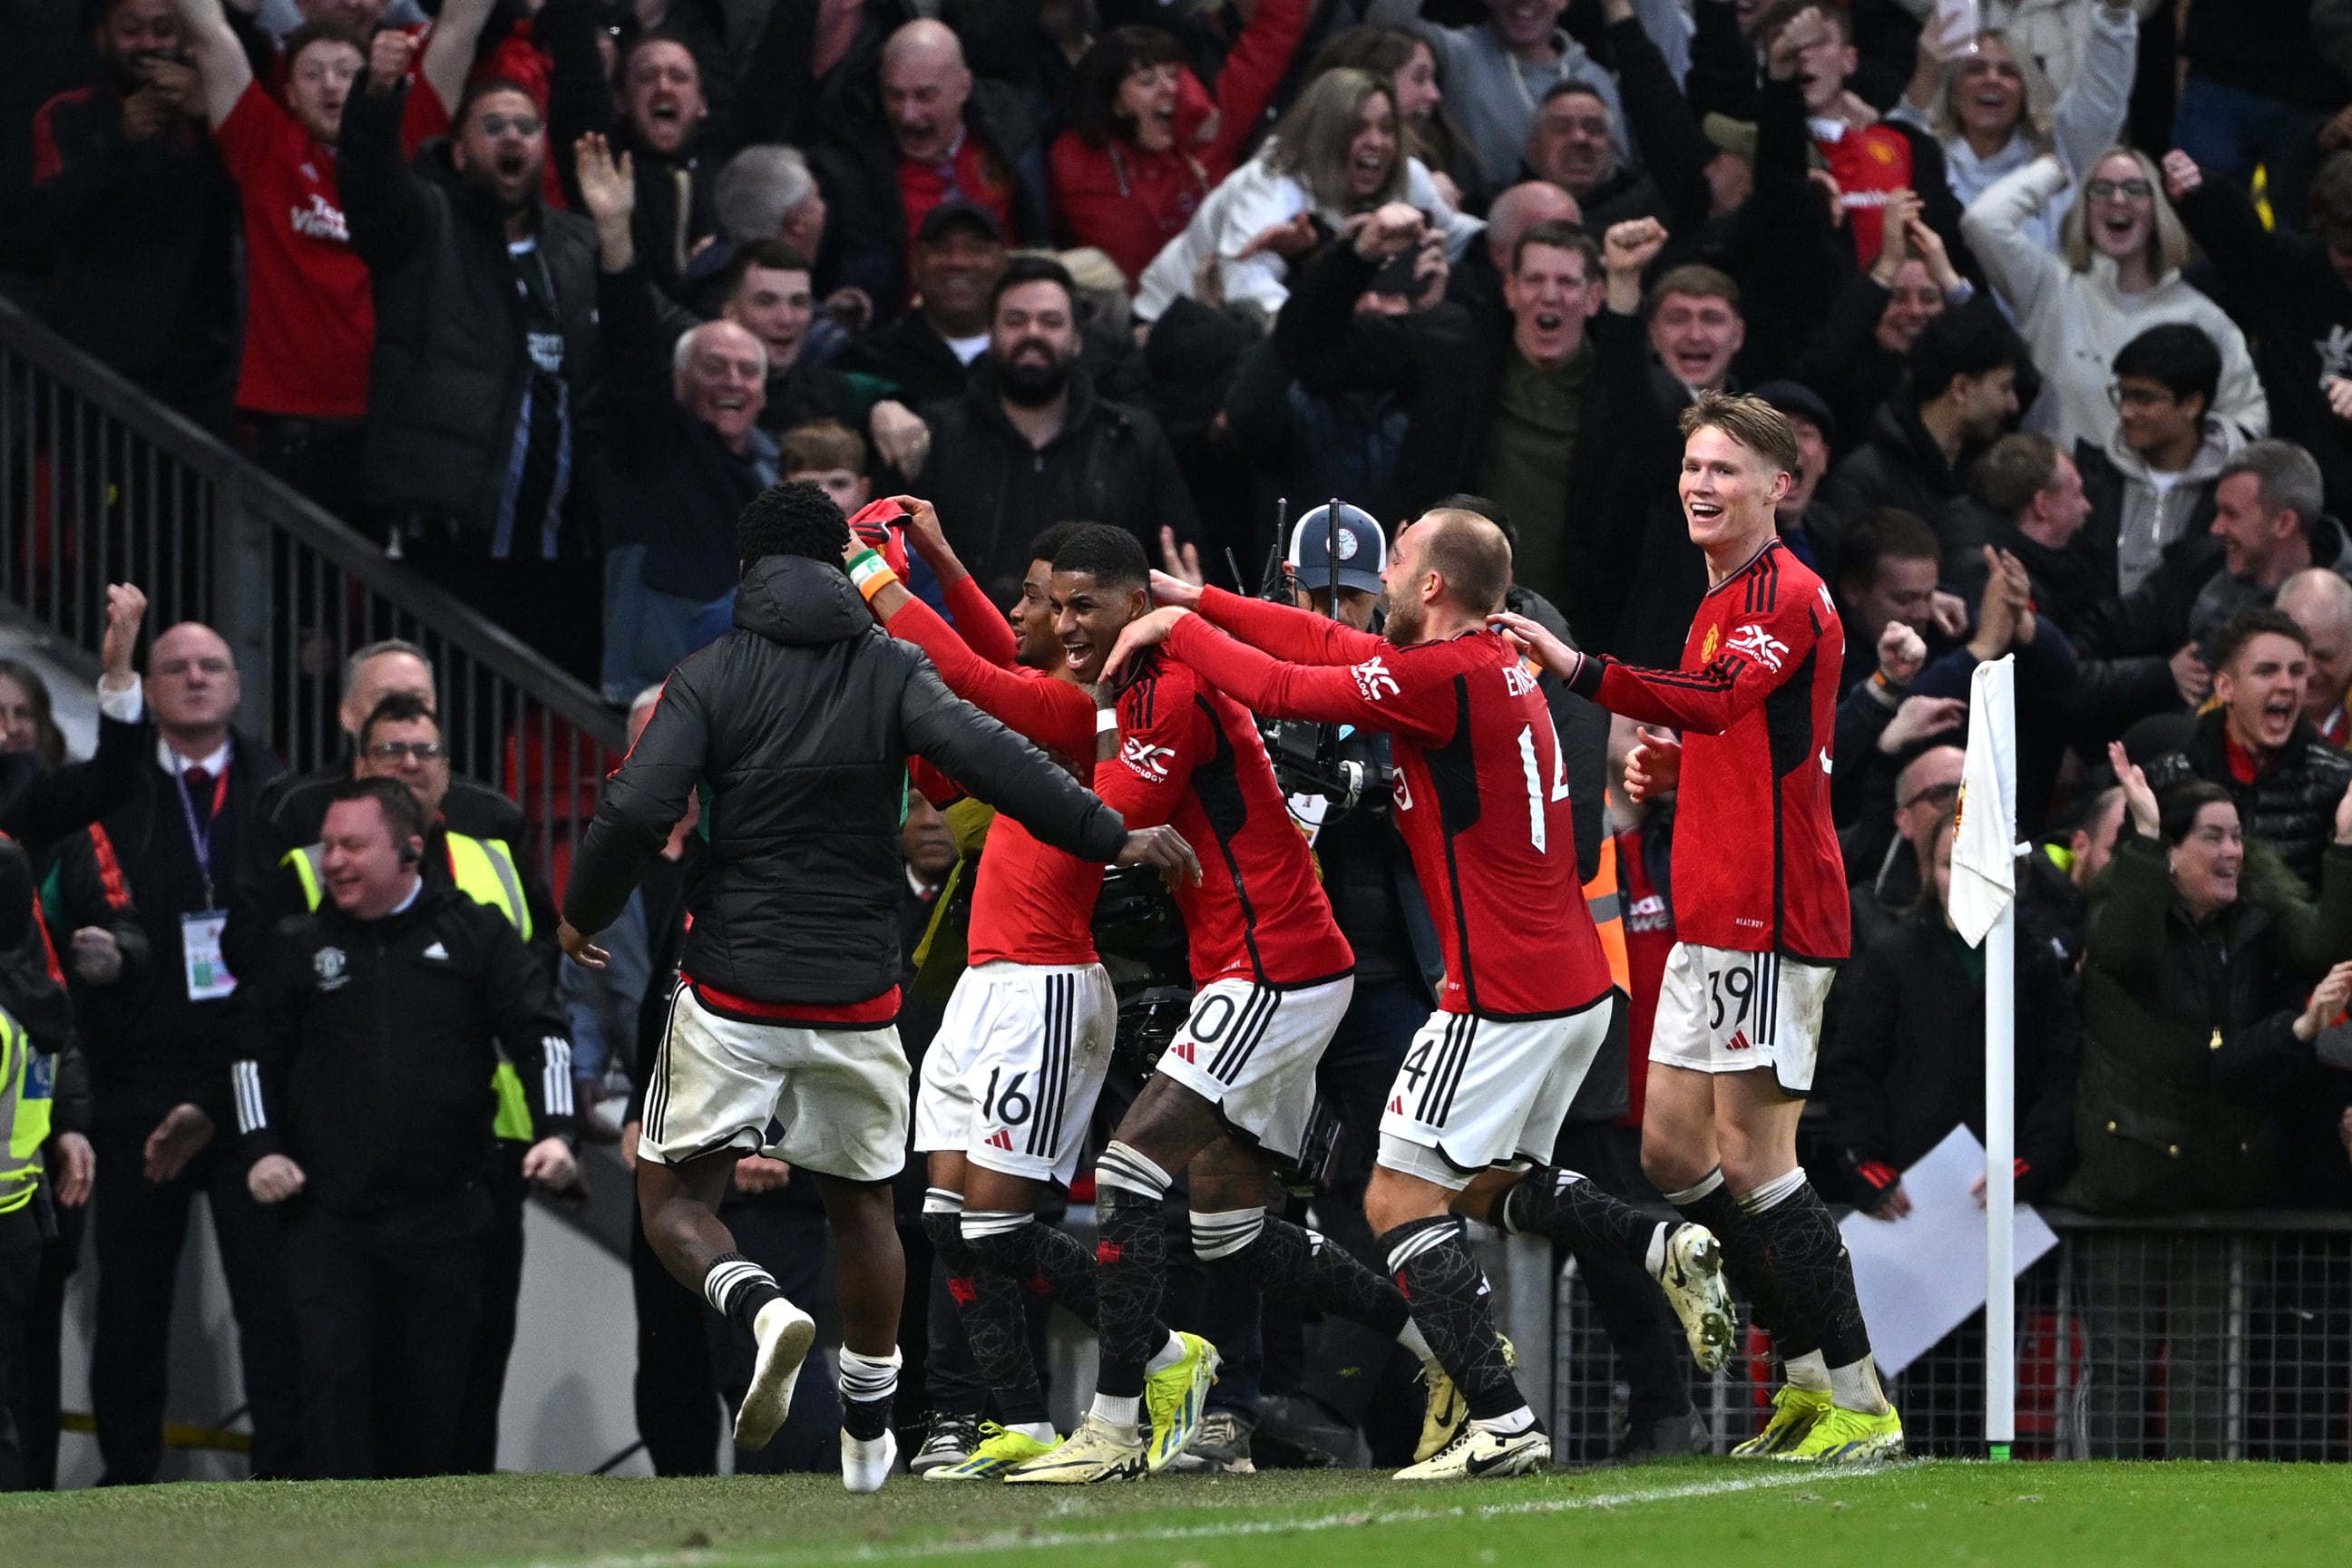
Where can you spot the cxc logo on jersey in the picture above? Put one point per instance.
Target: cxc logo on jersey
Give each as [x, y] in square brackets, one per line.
[1149, 761]
[1758, 645]
[1373, 679]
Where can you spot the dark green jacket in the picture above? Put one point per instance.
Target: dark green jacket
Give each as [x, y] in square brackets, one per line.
[2177, 1106]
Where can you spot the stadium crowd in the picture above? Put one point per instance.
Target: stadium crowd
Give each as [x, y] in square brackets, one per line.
[549, 297]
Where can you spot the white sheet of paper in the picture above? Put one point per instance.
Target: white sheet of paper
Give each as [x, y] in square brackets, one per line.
[1920, 1277]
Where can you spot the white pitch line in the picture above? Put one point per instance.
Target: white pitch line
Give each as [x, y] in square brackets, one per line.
[1019, 1539]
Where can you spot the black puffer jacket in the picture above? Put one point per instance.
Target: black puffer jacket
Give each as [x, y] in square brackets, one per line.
[452, 358]
[795, 729]
[2289, 805]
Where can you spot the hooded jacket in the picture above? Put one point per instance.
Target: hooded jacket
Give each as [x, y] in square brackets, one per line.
[2132, 521]
[794, 731]
[2289, 805]
[1899, 465]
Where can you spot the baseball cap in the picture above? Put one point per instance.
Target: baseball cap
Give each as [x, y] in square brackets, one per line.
[959, 210]
[1362, 547]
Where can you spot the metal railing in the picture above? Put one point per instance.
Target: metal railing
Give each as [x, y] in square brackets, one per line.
[2194, 1336]
[99, 483]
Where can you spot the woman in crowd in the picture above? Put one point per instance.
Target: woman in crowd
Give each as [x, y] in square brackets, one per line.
[2197, 965]
[2117, 275]
[1335, 154]
[26, 720]
[1404, 59]
[1991, 110]
[1147, 144]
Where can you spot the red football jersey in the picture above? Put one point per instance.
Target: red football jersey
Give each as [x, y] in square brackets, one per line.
[1481, 789]
[309, 325]
[1756, 866]
[1189, 755]
[1035, 904]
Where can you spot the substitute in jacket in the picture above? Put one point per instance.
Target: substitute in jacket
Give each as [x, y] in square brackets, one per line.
[795, 732]
[362, 1088]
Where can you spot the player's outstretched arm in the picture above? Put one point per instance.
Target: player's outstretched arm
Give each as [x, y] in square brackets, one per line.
[1009, 773]
[1286, 631]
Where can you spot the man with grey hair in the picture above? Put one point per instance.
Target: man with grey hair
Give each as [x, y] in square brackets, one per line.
[2269, 514]
[674, 476]
[767, 192]
[2320, 601]
[940, 134]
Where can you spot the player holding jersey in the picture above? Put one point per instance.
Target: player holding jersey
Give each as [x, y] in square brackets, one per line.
[1233, 1092]
[1482, 799]
[1762, 913]
[1009, 1082]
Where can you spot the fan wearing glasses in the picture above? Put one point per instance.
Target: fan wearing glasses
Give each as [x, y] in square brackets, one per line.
[1925, 791]
[2115, 274]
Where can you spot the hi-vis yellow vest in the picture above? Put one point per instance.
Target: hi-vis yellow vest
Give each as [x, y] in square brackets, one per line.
[484, 871]
[25, 1079]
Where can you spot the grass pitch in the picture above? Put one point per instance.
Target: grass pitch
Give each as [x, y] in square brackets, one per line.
[1695, 1514]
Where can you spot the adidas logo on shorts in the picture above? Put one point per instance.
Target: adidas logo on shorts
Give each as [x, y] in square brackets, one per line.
[1001, 1139]
[1738, 1040]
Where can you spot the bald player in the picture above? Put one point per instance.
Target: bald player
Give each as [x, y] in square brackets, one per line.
[1482, 799]
[2321, 603]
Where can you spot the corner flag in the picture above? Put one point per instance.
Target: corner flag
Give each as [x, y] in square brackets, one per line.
[1984, 839]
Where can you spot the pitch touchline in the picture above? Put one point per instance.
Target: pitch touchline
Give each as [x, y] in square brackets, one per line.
[1020, 1539]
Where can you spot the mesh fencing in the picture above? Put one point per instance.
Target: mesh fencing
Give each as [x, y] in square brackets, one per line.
[2198, 1337]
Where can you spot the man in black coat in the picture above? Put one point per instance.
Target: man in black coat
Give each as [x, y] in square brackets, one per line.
[481, 397]
[362, 1077]
[143, 890]
[1032, 443]
[1925, 439]
[795, 729]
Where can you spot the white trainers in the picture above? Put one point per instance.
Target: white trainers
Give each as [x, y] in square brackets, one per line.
[866, 1462]
[1692, 1277]
[783, 1333]
[1096, 1452]
[1476, 1454]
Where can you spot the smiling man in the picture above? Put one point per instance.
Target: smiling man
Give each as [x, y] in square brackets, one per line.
[2255, 742]
[1762, 920]
[674, 474]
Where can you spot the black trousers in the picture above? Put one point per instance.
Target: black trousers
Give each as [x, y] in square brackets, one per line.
[34, 1399]
[477, 1452]
[387, 1305]
[141, 1227]
[20, 1267]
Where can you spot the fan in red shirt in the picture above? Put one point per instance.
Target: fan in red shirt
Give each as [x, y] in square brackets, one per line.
[1233, 1092]
[1760, 913]
[1483, 803]
[310, 323]
[1008, 1086]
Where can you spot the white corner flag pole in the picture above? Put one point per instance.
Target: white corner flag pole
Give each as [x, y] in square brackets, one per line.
[1984, 893]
